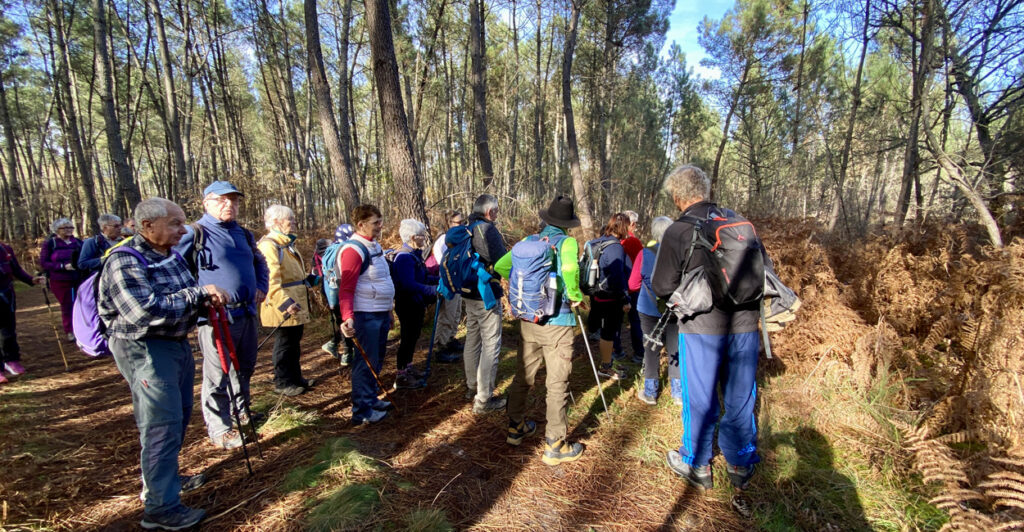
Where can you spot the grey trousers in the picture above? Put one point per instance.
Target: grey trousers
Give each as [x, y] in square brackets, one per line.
[448, 320]
[161, 375]
[483, 345]
[215, 401]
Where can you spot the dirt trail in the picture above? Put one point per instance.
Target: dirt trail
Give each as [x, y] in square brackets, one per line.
[69, 451]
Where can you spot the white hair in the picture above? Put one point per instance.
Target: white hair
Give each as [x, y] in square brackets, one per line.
[108, 219]
[686, 183]
[633, 216]
[275, 213]
[61, 222]
[658, 227]
[409, 228]
[152, 209]
[484, 204]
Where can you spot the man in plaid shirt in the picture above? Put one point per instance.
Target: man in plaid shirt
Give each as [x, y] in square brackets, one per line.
[148, 310]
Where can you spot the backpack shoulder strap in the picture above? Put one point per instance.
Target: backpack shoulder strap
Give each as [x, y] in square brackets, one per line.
[136, 253]
[361, 248]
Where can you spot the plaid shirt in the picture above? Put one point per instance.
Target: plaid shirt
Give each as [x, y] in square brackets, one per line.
[136, 302]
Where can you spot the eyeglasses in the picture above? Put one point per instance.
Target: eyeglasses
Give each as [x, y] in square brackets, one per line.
[66, 227]
[225, 199]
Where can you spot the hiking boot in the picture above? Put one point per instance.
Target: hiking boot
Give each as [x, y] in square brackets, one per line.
[71, 337]
[407, 380]
[618, 355]
[455, 346]
[289, 390]
[257, 418]
[610, 371]
[470, 394]
[492, 404]
[374, 417]
[331, 348]
[645, 393]
[231, 439]
[519, 431]
[448, 355]
[698, 477]
[740, 476]
[179, 518]
[676, 390]
[381, 405]
[307, 385]
[190, 483]
[638, 359]
[561, 451]
[14, 368]
[345, 359]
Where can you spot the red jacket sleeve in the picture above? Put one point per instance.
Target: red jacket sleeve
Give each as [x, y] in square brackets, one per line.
[634, 276]
[349, 263]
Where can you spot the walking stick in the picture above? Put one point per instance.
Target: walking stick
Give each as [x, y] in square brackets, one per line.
[219, 342]
[49, 312]
[359, 347]
[282, 308]
[590, 355]
[225, 317]
[430, 350]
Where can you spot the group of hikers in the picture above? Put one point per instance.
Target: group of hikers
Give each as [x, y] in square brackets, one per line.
[155, 285]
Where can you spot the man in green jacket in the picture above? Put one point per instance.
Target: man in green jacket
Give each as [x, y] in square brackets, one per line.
[550, 343]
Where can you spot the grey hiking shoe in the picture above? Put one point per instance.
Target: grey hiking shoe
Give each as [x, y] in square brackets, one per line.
[611, 371]
[698, 477]
[739, 475]
[179, 518]
[492, 404]
[231, 439]
[470, 394]
[330, 348]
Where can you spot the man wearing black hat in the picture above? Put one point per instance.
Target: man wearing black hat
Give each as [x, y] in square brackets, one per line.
[221, 252]
[549, 342]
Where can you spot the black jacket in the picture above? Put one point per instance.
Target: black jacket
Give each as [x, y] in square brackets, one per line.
[490, 245]
[668, 270]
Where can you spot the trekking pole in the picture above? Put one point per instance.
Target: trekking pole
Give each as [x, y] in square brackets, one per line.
[226, 332]
[219, 342]
[359, 347]
[49, 312]
[271, 335]
[590, 355]
[430, 350]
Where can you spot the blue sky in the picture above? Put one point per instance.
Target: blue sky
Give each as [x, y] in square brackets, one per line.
[682, 29]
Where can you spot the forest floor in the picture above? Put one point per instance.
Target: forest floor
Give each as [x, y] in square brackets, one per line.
[69, 453]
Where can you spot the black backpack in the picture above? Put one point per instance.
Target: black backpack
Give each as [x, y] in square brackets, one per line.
[735, 264]
[593, 281]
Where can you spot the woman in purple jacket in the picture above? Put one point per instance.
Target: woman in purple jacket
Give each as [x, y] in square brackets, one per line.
[59, 259]
[415, 290]
[10, 353]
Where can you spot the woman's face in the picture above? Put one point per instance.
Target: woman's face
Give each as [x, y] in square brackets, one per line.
[371, 227]
[66, 231]
[456, 221]
[418, 241]
[285, 225]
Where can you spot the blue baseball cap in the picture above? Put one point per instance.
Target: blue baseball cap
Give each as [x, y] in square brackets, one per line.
[221, 188]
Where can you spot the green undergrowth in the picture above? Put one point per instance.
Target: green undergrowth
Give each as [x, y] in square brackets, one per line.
[289, 422]
[427, 520]
[337, 458]
[832, 459]
[343, 508]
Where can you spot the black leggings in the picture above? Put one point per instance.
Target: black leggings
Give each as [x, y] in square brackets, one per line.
[410, 317]
[287, 348]
[607, 316]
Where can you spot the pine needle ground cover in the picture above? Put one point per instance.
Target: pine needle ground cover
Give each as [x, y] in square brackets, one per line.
[889, 406]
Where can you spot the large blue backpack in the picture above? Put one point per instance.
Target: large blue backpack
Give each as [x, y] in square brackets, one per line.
[331, 273]
[461, 267]
[533, 280]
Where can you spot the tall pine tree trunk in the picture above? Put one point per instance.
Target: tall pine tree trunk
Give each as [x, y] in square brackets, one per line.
[128, 195]
[337, 146]
[170, 103]
[398, 144]
[478, 79]
[579, 187]
[14, 195]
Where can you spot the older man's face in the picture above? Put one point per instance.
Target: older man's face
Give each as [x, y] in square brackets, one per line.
[111, 230]
[164, 233]
[223, 208]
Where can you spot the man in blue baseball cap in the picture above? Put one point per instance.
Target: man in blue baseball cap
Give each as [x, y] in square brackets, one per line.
[221, 252]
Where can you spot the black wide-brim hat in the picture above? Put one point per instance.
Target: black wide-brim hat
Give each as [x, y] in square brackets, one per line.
[561, 213]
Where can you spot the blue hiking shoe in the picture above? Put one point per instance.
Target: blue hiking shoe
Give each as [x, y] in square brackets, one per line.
[649, 392]
[676, 391]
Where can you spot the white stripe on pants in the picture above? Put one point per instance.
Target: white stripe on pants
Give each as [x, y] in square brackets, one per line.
[483, 345]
